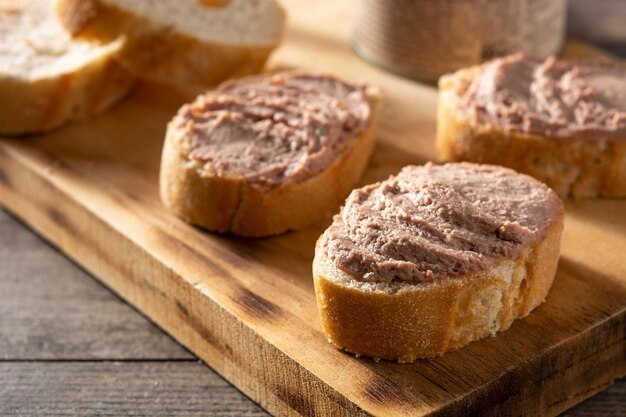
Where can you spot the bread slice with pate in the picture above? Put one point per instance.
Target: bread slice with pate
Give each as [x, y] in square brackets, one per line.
[562, 122]
[189, 42]
[262, 155]
[47, 78]
[434, 258]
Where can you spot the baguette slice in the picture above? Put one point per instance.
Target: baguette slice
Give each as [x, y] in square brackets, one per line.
[405, 320]
[244, 205]
[190, 42]
[581, 166]
[46, 78]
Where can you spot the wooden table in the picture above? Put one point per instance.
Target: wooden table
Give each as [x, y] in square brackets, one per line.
[68, 346]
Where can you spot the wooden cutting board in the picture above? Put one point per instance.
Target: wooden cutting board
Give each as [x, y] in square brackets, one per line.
[247, 307]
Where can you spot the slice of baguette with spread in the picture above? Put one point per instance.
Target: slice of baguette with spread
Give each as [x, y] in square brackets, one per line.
[562, 122]
[47, 78]
[200, 42]
[435, 258]
[263, 155]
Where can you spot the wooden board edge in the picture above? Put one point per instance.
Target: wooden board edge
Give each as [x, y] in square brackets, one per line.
[256, 367]
[560, 378]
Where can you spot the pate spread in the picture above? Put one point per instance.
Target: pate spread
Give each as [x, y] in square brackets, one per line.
[268, 130]
[549, 98]
[435, 221]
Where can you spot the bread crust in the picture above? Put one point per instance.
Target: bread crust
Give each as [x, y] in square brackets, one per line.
[405, 322]
[577, 167]
[43, 104]
[237, 206]
[159, 53]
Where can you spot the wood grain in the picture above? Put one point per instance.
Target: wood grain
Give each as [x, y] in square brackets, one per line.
[118, 388]
[247, 308]
[162, 388]
[68, 346]
[49, 310]
[608, 403]
[31, 387]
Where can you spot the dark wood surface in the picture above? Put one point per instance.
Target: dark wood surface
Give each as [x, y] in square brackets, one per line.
[68, 346]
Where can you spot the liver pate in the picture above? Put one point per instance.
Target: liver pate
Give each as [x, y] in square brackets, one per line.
[549, 98]
[268, 130]
[436, 221]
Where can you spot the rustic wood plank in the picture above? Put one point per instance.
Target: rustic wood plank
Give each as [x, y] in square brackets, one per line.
[118, 389]
[50, 309]
[163, 388]
[609, 403]
[26, 383]
[247, 308]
